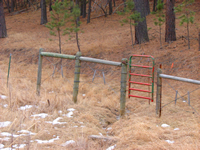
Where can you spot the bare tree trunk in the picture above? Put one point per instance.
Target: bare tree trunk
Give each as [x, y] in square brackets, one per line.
[89, 11]
[141, 34]
[114, 3]
[8, 5]
[110, 7]
[188, 35]
[131, 32]
[199, 41]
[84, 8]
[170, 32]
[12, 5]
[43, 12]
[154, 5]
[50, 3]
[3, 31]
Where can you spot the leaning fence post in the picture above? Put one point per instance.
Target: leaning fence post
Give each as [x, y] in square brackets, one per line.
[159, 92]
[123, 86]
[39, 76]
[188, 98]
[9, 69]
[76, 76]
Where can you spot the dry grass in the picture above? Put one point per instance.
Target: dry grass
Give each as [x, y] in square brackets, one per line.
[97, 111]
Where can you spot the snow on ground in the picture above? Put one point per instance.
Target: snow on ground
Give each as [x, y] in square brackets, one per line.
[68, 142]
[25, 107]
[176, 129]
[165, 125]
[47, 141]
[56, 121]
[70, 113]
[3, 96]
[111, 147]
[4, 124]
[1, 145]
[42, 115]
[19, 145]
[170, 142]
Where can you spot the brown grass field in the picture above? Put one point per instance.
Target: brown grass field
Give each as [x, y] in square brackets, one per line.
[97, 110]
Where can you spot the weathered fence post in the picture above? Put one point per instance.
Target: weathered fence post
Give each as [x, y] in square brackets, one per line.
[39, 76]
[159, 93]
[176, 97]
[9, 69]
[188, 98]
[76, 76]
[123, 86]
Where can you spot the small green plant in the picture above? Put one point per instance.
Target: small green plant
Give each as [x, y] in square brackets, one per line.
[160, 17]
[187, 15]
[131, 16]
[60, 16]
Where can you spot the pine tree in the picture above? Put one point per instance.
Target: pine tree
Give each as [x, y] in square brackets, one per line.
[160, 17]
[187, 15]
[132, 16]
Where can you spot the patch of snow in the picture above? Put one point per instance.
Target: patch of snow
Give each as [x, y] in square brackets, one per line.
[84, 95]
[25, 107]
[70, 109]
[176, 129]
[42, 115]
[4, 124]
[5, 139]
[69, 114]
[60, 111]
[47, 141]
[109, 128]
[3, 96]
[156, 125]
[170, 142]
[68, 142]
[1, 145]
[165, 125]
[75, 126]
[5, 105]
[184, 101]
[82, 126]
[26, 131]
[19, 145]
[8, 134]
[100, 134]
[56, 121]
[111, 147]
[51, 92]
[81, 122]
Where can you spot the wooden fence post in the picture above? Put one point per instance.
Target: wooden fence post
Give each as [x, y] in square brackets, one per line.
[9, 69]
[76, 76]
[123, 86]
[159, 93]
[39, 76]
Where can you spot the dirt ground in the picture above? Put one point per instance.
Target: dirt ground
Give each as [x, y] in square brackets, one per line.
[49, 122]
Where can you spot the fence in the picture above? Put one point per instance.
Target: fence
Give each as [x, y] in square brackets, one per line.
[159, 88]
[78, 58]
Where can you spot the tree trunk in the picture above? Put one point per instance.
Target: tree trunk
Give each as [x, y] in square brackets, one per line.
[8, 5]
[12, 5]
[154, 5]
[3, 31]
[84, 8]
[50, 3]
[147, 8]
[43, 12]
[89, 11]
[170, 32]
[199, 41]
[141, 34]
[110, 7]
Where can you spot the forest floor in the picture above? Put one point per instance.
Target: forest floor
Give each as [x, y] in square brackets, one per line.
[53, 121]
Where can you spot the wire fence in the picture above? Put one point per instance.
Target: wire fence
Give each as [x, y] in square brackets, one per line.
[179, 93]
